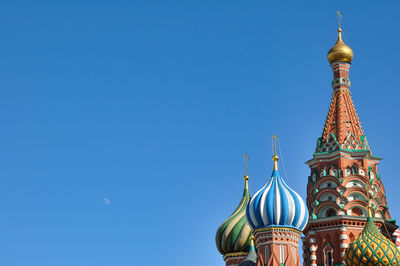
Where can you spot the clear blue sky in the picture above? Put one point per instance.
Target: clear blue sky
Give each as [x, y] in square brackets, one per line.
[123, 123]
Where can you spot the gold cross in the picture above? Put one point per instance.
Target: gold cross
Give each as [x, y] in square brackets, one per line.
[339, 17]
[274, 139]
[246, 158]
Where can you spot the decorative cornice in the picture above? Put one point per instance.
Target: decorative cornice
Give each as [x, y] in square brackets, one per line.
[342, 153]
[277, 228]
[235, 254]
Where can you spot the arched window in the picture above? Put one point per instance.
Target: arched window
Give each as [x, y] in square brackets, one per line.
[266, 255]
[356, 211]
[371, 175]
[328, 253]
[334, 173]
[351, 237]
[354, 169]
[281, 255]
[347, 172]
[330, 213]
[329, 258]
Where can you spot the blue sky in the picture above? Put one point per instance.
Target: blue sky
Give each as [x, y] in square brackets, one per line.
[123, 123]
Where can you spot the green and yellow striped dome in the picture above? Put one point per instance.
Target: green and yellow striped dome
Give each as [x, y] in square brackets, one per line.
[372, 248]
[234, 235]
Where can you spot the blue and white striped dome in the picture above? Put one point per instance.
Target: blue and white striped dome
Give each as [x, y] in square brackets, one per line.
[276, 204]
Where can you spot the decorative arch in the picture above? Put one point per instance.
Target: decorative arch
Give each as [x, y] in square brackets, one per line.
[330, 212]
[356, 204]
[351, 142]
[371, 175]
[321, 209]
[328, 252]
[314, 175]
[377, 185]
[354, 182]
[352, 190]
[354, 169]
[323, 194]
[378, 201]
[328, 184]
[361, 172]
[347, 171]
[330, 144]
[322, 181]
[357, 211]
[356, 195]
[341, 201]
[333, 170]
[352, 237]
[322, 173]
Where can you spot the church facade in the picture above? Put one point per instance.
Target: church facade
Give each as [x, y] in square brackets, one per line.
[345, 219]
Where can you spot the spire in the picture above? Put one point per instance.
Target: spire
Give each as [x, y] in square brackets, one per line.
[342, 120]
[246, 177]
[342, 127]
[370, 211]
[251, 259]
[275, 157]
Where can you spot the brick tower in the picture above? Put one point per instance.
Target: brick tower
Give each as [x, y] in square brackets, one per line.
[344, 175]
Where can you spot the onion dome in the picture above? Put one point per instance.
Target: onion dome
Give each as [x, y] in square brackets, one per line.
[371, 247]
[234, 235]
[251, 259]
[340, 51]
[276, 204]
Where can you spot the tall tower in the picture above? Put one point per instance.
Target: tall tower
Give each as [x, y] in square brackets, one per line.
[343, 171]
[277, 215]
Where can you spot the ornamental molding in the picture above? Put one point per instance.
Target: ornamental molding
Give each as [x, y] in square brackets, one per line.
[235, 255]
[277, 229]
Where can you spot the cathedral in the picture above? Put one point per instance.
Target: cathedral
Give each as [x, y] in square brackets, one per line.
[344, 220]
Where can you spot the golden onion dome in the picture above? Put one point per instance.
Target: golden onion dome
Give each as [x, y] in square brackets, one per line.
[234, 235]
[371, 247]
[340, 51]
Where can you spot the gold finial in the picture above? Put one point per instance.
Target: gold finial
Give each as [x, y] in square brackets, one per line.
[252, 240]
[246, 177]
[339, 18]
[246, 158]
[275, 157]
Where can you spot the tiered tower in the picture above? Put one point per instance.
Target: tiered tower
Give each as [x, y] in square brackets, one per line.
[343, 171]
